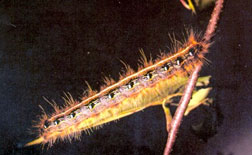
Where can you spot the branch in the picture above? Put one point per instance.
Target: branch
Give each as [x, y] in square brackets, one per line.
[176, 121]
[213, 21]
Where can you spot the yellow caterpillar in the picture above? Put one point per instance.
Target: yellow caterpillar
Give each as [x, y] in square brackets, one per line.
[155, 83]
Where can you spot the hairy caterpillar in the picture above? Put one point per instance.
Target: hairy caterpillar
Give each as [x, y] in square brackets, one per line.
[153, 84]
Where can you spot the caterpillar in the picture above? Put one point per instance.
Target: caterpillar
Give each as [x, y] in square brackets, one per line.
[155, 83]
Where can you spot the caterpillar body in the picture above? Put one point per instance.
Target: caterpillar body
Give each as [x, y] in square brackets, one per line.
[153, 84]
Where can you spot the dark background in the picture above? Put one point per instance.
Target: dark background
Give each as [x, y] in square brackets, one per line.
[49, 47]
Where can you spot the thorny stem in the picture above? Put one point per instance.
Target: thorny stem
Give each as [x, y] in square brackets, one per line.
[213, 20]
[176, 121]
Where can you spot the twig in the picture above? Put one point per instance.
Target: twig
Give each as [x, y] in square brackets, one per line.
[176, 121]
[213, 20]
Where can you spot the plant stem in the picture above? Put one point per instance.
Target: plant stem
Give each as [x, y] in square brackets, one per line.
[176, 121]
